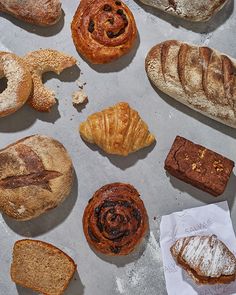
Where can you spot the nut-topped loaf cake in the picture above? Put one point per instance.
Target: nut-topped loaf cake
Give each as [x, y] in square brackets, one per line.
[199, 166]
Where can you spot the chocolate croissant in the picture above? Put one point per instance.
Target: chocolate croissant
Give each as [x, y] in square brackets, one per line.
[115, 219]
[103, 30]
[117, 130]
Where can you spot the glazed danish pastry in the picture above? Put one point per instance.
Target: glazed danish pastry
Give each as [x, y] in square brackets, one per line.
[117, 130]
[115, 219]
[103, 30]
[19, 83]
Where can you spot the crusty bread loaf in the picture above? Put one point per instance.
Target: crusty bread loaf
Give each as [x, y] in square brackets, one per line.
[19, 83]
[193, 10]
[206, 259]
[36, 174]
[42, 13]
[42, 267]
[199, 77]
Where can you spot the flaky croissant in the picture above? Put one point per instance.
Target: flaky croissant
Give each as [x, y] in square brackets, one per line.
[117, 130]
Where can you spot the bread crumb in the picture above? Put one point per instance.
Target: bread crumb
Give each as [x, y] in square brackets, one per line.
[79, 97]
[21, 209]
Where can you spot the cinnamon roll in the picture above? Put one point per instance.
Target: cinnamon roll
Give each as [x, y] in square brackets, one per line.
[103, 30]
[115, 219]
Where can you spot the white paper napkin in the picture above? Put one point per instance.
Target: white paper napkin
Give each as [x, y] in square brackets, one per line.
[210, 219]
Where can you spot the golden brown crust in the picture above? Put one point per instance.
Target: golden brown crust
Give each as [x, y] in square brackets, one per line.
[46, 246]
[42, 13]
[115, 219]
[199, 77]
[40, 62]
[19, 83]
[103, 30]
[36, 175]
[117, 130]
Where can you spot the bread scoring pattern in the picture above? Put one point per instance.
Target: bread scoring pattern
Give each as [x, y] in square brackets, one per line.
[199, 77]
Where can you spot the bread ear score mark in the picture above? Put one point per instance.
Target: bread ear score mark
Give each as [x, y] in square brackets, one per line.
[37, 178]
[37, 174]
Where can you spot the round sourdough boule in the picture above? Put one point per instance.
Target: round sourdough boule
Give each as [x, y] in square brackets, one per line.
[115, 219]
[36, 174]
[19, 83]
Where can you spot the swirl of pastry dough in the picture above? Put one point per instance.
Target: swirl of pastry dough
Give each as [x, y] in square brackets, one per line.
[103, 30]
[115, 219]
[19, 83]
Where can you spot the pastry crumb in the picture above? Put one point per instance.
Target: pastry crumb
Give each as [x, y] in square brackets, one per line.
[79, 97]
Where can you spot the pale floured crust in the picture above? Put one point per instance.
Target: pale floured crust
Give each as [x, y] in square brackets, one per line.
[117, 130]
[43, 12]
[36, 175]
[40, 62]
[199, 77]
[193, 10]
[206, 259]
[19, 83]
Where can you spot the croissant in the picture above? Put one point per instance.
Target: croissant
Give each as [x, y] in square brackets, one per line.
[117, 130]
[206, 259]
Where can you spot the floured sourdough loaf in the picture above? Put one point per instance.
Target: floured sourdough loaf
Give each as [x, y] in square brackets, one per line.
[192, 10]
[206, 259]
[199, 77]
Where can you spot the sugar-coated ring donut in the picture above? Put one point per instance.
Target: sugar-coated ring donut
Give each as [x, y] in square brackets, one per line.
[19, 83]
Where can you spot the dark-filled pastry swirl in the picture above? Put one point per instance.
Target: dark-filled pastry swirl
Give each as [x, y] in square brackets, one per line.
[115, 219]
[103, 30]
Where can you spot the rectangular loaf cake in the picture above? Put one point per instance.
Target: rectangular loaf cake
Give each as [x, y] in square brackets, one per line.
[198, 166]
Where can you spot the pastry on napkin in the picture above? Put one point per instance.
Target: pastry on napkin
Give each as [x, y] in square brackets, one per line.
[205, 221]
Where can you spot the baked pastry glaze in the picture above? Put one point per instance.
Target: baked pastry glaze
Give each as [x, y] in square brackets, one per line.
[115, 219]
[103, 30]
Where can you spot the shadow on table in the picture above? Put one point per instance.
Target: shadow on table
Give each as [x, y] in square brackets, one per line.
[199, 27]
[218, 289]
[116, 65]
[228, 195]
[229, 131]
[46, 31]
[121, 261]
[48, 220]
[120, 161]
[75, 287]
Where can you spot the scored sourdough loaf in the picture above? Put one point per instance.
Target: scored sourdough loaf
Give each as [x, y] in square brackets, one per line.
[192, 10]
[42, 267]
[199, 77]
[36, 174]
